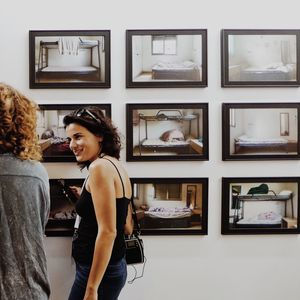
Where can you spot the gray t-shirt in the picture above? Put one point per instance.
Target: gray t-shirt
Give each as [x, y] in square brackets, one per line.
[24, 210]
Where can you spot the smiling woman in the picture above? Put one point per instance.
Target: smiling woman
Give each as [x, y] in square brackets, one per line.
[103, 205]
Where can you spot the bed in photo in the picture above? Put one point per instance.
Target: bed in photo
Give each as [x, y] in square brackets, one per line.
[166, 58]
[171, 206]
[260, 58]
[260, 205]
[167, 131]
[260, 131]
[69, 59]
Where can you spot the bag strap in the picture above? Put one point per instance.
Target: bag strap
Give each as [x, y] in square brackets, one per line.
[135, 219]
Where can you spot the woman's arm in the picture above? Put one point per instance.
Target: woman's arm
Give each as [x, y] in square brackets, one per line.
[102, 188]
[128, 228]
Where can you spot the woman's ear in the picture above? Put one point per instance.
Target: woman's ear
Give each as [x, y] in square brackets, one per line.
[100, 139]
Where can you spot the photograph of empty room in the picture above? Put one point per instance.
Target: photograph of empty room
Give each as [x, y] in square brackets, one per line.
[255, 204]
[167, 131]
[158, 57]
[260, 130]
[69, 58]
[261, 57]
[171, 205]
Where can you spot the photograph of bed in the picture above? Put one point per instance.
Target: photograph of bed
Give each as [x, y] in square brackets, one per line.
[175, 217]
[267, 218]
[266, 131]
[85, 54]
[260, 57]
[175, 132]
[186, 70]
[166, 58]
[244, 144]
[170, 205]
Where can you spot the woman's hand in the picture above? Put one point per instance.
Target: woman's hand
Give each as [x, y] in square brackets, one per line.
[76, 190]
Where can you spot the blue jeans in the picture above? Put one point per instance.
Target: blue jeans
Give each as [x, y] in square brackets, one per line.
[111, 285]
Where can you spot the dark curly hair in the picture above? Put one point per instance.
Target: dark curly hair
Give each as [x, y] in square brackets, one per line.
[94, 120]
[18, 124]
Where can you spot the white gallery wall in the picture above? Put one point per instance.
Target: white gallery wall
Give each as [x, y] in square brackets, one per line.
[212, 267]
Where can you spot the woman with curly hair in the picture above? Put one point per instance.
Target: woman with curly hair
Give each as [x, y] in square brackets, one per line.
[103, 205]
[24, 201]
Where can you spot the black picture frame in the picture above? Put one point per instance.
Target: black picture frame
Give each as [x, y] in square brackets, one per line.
[51, 132]
[161, 206]
[62, 207]
[260, 131]
[264, 205]
[260, 58]
[166, 58]
[166, 131]
[69, 59]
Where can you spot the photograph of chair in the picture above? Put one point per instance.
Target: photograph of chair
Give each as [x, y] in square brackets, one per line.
[166, 58]
[254, 131]
[167, 131]
[69, 59]
[168, 206]
[51, 132]
[260, 205]
[260, 58]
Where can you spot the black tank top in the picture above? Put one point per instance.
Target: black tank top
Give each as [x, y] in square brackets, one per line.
[84, 239]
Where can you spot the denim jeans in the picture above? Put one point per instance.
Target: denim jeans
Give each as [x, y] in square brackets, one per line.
[110, 287]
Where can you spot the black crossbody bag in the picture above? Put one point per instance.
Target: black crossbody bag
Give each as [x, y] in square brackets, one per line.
[135, 246]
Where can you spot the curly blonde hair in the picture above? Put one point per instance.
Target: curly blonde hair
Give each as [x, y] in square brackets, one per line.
[18, 124]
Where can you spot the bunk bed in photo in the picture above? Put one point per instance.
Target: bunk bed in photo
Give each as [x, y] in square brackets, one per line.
[166, 143]
[264, 219]
[91, 72]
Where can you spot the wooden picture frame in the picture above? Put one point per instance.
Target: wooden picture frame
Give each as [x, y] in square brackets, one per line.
[261, 205]
[168, 58]
[51, 132]
[167, 131]
[161, 205]
[69, 59]
[260, 58]
[260, 131]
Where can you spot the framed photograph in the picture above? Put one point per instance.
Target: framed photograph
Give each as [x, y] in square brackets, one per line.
[51, 132]
[260, 131]
[171, 206]
[167, 131]
[252, 58]
[69, 59]
[62, 207]
[166, 58]
[260, 205]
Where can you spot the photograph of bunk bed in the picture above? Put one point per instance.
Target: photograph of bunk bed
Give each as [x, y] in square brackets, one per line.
[171, 206]
[260, 205]
[91, 72]
[170, 140]
[69, 59]
[265, 219]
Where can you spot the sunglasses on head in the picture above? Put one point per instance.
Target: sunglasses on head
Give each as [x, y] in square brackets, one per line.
[83, 111]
